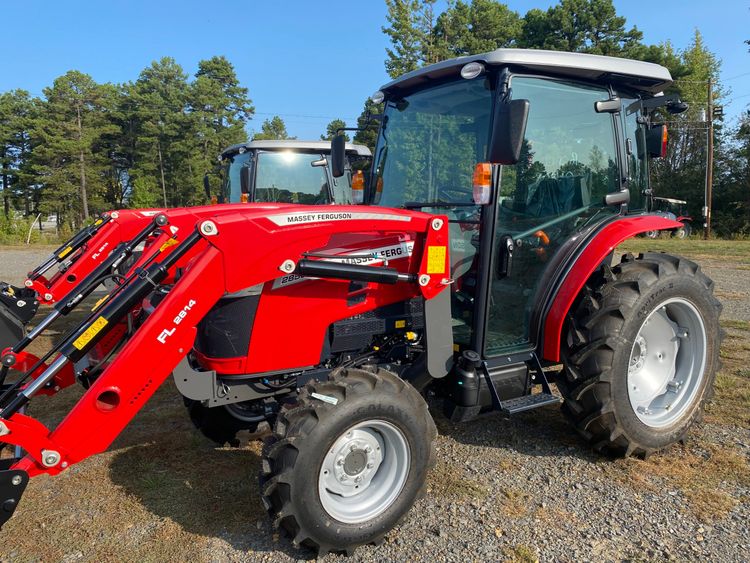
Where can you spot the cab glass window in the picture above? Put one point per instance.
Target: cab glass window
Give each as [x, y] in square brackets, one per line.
[289, 177]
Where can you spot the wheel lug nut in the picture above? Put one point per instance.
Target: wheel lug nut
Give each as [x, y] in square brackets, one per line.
[370, 465]
[353, 447]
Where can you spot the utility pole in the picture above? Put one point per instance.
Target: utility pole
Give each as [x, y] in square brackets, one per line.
[709, 162]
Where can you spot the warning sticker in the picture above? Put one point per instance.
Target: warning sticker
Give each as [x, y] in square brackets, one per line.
[170, 242]
[65, 252]
[89, 333]
[435, 259]
[303, 217]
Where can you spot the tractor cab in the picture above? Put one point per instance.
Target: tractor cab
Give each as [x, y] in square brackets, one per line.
[523, 188]
[289, 171]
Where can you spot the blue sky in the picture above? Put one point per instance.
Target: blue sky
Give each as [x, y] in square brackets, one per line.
[306, 61]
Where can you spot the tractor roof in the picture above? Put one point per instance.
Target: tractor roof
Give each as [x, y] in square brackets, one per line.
[294, 145]
[637, 75]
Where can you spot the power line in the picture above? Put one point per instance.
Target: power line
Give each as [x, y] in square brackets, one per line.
[304, 116]
[736, 76]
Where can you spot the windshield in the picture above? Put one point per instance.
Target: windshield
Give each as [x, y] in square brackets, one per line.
[230, 175]
[430, 143]
[289, 177]
[285, 177]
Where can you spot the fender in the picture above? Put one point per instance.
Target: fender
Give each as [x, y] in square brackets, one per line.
[593, 254]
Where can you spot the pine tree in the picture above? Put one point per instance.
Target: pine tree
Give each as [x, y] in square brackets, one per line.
[272, 129]
[219, 108]
[71, 125]
[17, 113]
[368, 128]
[163, 130]
[331, 129]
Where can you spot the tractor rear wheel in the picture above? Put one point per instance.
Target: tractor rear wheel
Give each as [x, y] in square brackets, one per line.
[641, 353]
[347, 462]
[683, 232]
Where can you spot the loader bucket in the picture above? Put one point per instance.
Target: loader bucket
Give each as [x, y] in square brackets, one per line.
[18, 305]
[12, 485]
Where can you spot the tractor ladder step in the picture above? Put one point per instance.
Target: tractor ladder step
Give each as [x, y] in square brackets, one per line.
[528, 402]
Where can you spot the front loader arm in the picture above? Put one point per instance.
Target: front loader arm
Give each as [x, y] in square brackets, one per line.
[224, 263]
[125, 386]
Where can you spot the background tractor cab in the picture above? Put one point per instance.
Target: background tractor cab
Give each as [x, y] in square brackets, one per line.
[289, 171]
[535, 157]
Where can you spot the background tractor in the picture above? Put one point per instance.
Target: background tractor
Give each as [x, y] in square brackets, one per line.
[501, 184]
[674, 209]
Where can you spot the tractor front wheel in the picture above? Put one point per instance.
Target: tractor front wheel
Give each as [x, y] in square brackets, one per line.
[348, 461]
[222, 424]
[641, 354]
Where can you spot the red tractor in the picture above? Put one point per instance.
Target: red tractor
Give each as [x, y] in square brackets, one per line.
[501, 185]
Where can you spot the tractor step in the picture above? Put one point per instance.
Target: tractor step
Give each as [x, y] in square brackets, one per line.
[528, 402]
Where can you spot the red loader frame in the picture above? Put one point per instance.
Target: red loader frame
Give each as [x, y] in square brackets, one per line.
[218, 261]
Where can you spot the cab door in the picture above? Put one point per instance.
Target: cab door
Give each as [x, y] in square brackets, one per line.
[568, 164]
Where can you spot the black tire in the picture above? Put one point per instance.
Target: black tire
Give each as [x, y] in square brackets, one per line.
[293, 457]
[600, 332]
[652, 234]
[221, 424]
[683, 232]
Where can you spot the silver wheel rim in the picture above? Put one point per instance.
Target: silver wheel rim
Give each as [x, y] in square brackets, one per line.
[667, 363]
[364, 471]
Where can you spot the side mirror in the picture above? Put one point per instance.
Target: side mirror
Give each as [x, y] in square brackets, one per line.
[608, 106]
[338, 156]
[508, 131]
[656, 141]
[245, 179]
[207, 186]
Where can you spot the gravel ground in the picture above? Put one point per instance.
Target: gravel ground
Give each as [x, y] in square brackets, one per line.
[524, 489]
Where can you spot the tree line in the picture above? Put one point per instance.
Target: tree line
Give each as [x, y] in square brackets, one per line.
[85, 147]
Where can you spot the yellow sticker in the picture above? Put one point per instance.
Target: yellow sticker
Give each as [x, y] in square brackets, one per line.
[65, 252]
[89, 333]
[102, 300]
[435, 259]
[97, 222]
[401, 324]
[170, 242]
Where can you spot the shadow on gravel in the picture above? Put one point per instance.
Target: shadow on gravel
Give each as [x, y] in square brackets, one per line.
[542, 432]
[208, 491]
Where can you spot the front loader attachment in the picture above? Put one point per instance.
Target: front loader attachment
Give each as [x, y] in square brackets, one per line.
[18, 305]
[217, 262]
[12, 485]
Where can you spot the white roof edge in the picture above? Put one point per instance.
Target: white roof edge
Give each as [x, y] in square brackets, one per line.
[639, 75]
[292, 144]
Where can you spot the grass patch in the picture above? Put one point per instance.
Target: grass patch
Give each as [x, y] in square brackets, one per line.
[515, 503]
[697, 472]
[737, 250]
[731, 403]
[446, 481]
[736, 324]
[521, 554]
